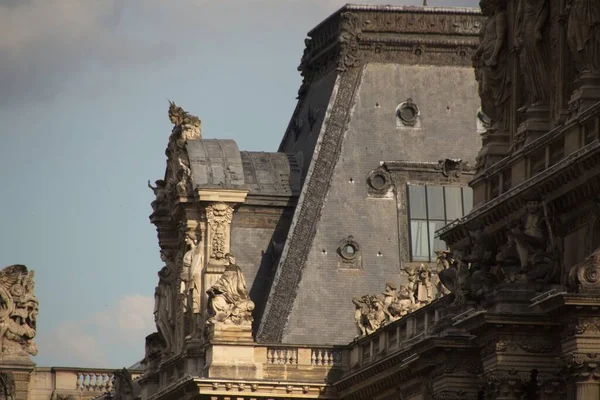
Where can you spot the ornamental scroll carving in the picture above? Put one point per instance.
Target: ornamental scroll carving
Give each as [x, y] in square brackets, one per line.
[219, 216]
[348, 40]
[585, 276]
[18, 311]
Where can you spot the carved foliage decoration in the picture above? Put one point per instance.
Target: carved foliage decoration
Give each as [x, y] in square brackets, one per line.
[348, 41]
[219, 216]
[18, 311]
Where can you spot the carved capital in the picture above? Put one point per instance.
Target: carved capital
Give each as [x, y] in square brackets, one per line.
[583, 367]
[511, 383]
[219, 216]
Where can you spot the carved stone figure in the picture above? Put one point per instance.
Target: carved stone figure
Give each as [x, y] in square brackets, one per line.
[583, 34]
[454, 277]
[491, 64]
[18, 311]
[163, 304]
[188, 126]
[389, 296]
[228, 300]
[219, 216]
[532, 42]
[530, 235]
[191, 273]
[402, 305]
[360, 313]
[443, 262]
[424, 289]
[481, 256]
[124, 387]
[161, 202]
[154, 347]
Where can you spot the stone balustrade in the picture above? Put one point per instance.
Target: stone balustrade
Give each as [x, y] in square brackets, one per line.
[72, 383]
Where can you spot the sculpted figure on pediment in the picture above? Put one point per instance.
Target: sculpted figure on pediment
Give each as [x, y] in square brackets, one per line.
[18, 311]
[491, 64]
[164, 297]
[583, 34]
[532, 43]
[228, 299]
[370, 314]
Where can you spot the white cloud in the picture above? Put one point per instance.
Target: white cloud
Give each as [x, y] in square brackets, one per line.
[113, 337]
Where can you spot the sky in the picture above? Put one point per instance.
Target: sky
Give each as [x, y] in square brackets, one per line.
[83, 126]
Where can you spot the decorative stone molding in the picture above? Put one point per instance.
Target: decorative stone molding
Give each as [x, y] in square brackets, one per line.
[219, 216]
[583, 366]
[379, 182]
[408, 113]
[349, 253]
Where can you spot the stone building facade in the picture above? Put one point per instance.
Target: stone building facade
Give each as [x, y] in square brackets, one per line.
[384, 252]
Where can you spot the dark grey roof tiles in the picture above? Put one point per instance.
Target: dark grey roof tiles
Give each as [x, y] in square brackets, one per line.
[220, 164]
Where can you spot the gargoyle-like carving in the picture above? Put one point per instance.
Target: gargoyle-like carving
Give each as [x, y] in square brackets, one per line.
[228, 300]
[583, 34]
[219, 216]
[585, 276]
[18, 311]
[124, 386]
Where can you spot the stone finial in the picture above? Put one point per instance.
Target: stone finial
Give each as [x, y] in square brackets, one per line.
[18, 311]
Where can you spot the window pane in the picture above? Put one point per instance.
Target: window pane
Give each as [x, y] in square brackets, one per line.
[453, 203]
[467, 200]
[416, 200]
[435, 202]
[437, 244]
[419, 242]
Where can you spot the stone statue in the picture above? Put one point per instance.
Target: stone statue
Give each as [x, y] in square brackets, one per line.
[18, 311]
[454, 277]
[389, 296]
[481, 256]
[491, 64]
[530, 234]
[163, 304]
[360, 314]
[443, 262]
[424, 289]
[161, 201]
[186, 125]
[534, 49]
[583, 34]
[402, 305]
[154, 347]
[191, 273]
[124, 387]
[228, 300]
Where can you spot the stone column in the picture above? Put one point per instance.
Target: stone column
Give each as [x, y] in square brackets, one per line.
[585, 371]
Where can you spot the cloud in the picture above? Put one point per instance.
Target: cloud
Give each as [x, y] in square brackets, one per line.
[46, 44]
[113, 337]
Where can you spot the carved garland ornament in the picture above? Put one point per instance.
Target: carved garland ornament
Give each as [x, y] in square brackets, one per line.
[219, 216]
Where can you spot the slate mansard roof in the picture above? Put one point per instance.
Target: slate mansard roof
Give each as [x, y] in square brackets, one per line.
[220, 164]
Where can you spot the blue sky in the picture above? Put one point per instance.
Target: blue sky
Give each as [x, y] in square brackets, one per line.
[83, 126]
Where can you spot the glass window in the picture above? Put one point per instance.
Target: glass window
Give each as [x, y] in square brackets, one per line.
[435, 202]
[419, 240]
[453, 203]
[416, 202]
[431, 208]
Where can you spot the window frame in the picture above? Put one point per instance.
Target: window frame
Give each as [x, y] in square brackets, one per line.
[428, 221]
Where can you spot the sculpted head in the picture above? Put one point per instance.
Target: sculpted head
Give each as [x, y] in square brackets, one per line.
[230, 258]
